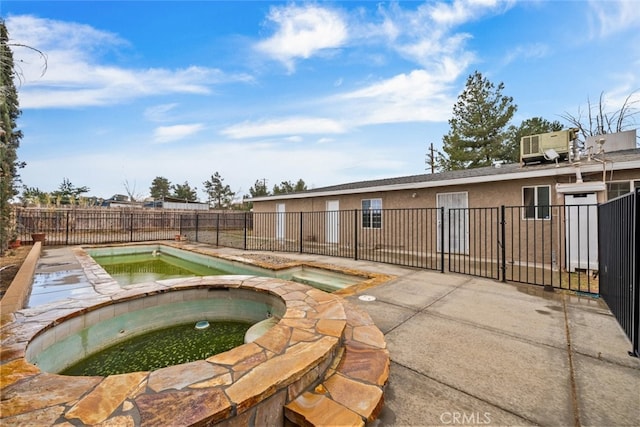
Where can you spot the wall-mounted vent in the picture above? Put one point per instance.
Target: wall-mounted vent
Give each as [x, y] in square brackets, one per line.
[530, 144]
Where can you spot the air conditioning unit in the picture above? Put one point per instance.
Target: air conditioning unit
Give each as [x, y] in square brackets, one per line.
[537, 148]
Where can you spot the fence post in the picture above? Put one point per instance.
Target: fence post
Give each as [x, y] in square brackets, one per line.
[131, 228]
[66, 237]
[441, 231]
[635, 339]
[501, 242]
[355, 234]
[245, 230]
[197, 225]
[217, 229]
[301, 233]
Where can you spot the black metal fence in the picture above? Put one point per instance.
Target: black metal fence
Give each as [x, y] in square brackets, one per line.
[619, 239]
[553, 246]
[98, 226]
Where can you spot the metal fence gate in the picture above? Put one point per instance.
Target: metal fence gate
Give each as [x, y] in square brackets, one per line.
[619, 243]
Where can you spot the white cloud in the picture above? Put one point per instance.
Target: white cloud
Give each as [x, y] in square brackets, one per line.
[302, 31]
[176, 132]
[416, 96]
[610, 17]
[531, 51]
[158, 113]
[285, 126]
[74, 76]
[427, 35]
[47, 34]
[460, 11]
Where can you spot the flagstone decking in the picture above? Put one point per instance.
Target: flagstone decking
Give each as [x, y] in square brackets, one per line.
[324, 363]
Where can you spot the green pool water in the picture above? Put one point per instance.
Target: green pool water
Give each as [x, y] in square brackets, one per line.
[139, 264]
[161, 348]
[146, 267]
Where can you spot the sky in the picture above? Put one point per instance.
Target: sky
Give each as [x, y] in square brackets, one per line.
[328, 92]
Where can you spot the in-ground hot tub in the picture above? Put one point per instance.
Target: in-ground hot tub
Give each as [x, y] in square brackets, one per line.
[320, 344]
[86, 334]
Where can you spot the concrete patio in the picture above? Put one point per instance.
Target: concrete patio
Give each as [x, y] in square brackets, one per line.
[472, 351]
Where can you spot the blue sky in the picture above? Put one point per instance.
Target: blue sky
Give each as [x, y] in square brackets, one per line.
[329, 92]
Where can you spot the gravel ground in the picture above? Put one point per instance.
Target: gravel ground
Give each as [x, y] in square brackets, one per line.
[268, 259]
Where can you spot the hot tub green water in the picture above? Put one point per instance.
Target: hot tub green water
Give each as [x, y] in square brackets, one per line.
[165, 347]
[151, 266]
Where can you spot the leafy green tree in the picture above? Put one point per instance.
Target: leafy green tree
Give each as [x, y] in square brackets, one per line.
[287, 187]
[220, 195]
[184, 192]
[532, 126]
[300, 186]
[67, 193]
[9, 138]
[160, 188]
[259, 189]
[477, 134]
[33, 195]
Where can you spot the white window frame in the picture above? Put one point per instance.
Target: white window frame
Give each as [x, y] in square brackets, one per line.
[370, 213]
[630, 186]
[538, 208]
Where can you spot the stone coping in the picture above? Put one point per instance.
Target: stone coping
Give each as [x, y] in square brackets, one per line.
[325, 362]
[369, 279]
[18, 292]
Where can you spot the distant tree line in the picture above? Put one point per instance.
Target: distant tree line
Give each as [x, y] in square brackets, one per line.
[219, 195]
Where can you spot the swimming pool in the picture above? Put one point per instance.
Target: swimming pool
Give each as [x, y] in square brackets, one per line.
[116, 258]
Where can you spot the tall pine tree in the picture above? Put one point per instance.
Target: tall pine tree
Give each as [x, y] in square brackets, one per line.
[160, 188]
[9, 137]
[477, 135]
[220, 195]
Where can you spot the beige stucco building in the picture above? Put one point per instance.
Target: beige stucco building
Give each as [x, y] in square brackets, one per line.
[550, 205]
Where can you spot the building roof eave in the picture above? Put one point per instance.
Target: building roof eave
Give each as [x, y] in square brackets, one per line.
[584, 166]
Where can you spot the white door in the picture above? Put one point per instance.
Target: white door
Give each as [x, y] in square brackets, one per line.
[581, 231]
[280, 221]
[333, 221]
[456, 230]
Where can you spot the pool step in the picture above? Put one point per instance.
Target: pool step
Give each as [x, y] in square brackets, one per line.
[259, 329]
[352, 392]
[313, 280]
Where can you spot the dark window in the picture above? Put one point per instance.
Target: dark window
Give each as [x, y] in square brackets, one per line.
[372, 213]
[537, 201]
[616, 189]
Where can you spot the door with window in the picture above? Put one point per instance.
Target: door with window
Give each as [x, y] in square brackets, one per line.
[456, 222]
[333, 221]
[280, 221]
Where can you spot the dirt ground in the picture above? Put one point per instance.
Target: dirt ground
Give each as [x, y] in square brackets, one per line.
[10, 263]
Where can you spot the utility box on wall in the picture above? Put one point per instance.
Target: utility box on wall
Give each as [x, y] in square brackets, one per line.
[581, 213]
